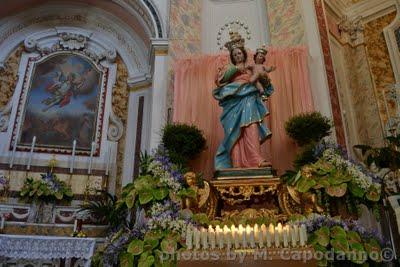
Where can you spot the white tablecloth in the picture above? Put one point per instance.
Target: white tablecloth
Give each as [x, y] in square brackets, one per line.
[46, 247]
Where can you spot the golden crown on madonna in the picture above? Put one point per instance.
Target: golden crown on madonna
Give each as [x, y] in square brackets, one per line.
[236, 41]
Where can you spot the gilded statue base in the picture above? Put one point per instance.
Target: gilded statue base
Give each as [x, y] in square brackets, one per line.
[248, 193]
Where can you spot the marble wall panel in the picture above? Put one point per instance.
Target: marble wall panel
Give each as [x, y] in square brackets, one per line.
[379, 61]
[120, 99]
[363, 96]
[286, 23]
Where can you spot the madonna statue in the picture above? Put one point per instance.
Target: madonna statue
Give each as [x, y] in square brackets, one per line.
[243, 110]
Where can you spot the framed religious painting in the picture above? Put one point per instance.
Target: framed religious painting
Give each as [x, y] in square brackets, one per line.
[62, 101]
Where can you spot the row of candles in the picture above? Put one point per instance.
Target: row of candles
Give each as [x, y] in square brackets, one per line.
[71, 168]
[247, 237]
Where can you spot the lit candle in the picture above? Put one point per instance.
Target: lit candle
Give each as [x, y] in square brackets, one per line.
[91, 157]
[211, 236]
[270, 234]
[295, 235]
[278, 235]
[219, 237]
[204, 242]
[71, 168]
[189, 239]
[196, 236]
[242, 236]
[285, 236]
[264, 233]
[108, 160]
[235, 234]
[14, 147]
[31, 153]
[303, 235]
[252, 238]
[259, 236]
[256, 230]
[228, 239]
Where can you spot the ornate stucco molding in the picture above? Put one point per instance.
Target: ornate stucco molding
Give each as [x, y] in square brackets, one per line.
[69, 41]
[391, 41]
[105, 28]
[115, 128]
[352, 30]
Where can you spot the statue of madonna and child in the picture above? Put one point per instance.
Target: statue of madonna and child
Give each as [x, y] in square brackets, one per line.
[242, 87]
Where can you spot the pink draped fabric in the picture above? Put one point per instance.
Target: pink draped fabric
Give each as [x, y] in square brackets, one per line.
[246, 152]
[194, 104]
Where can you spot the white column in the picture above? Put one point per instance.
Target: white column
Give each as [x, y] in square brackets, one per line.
[131, 130]
[159, 91]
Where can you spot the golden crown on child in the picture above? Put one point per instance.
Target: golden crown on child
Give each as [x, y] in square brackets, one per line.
[263, 49]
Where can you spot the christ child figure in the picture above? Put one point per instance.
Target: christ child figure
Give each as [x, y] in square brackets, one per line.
[259, 70]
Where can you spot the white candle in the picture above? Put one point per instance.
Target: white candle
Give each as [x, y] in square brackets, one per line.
[75, 225]
[270, 234]
[211, 236]
[14, 147]
[303, 234]
[259, 236]
[219, 237]
[31, 153]
[189, 239]
[204, 241]
[242, 236]
[196, 236]
[264, 233]
[286, 236]
[91, 157]
[108, 160]
[71, 168]
[276, 237]
[256, 230]
[235, 234]
[293, 236]
[252, 238]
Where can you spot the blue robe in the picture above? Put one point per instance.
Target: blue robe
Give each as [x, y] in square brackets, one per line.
[242, 106]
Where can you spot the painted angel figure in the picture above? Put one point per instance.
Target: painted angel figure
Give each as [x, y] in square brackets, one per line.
[62, 90]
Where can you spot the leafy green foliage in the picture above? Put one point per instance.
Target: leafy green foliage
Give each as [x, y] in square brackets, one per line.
[105, 210]
[308, 127]
[323, 178]
[183, 142]
[47, 189]
[347, 243]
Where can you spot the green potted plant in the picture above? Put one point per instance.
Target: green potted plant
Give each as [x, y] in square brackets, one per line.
[307, 129]
[183, 142]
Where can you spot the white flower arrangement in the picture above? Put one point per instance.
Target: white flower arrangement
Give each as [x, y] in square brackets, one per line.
[359, 177]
